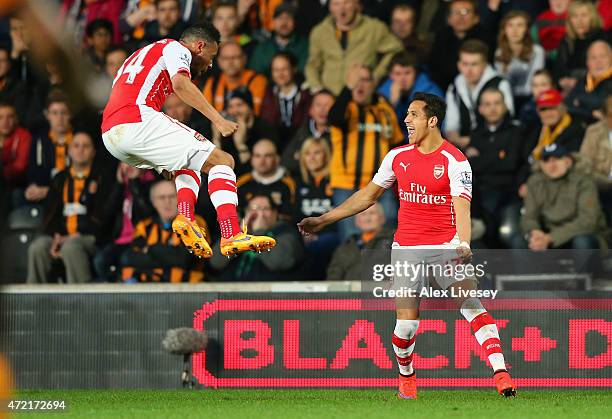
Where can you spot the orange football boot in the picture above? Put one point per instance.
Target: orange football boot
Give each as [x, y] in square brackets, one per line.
[504, 384]
[244, 242]
[407, 387]
[192, 236]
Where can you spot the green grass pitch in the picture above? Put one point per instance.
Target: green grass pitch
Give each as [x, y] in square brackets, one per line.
[319, 404]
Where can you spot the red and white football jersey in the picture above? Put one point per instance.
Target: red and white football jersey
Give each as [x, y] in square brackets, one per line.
[426, 184]
[144, 80]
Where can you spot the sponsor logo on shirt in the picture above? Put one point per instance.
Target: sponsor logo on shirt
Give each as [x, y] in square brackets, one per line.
[418, 195]
[404, 165]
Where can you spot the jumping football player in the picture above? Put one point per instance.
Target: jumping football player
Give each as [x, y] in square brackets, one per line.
[137, 132]
[435, 189]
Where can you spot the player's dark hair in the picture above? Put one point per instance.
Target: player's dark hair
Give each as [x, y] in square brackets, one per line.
[203, 30]
[434, 106]
[96, 24]
[475, 46]
[404, 59]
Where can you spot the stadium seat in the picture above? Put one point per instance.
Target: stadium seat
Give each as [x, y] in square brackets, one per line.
[14, 256]
[28, 217]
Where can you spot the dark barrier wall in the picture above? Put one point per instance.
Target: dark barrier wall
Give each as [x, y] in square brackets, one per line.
[82, 340]
[297, 340]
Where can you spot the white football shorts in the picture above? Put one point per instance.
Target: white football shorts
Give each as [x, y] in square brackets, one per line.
[427, 263]
[158, 142]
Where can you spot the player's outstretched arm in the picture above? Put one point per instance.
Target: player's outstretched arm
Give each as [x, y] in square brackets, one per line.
[191, 95]
[359, 201]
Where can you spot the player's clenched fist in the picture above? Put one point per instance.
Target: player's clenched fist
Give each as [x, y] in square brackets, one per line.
[226, 127]
[465, 253]
[310, 225]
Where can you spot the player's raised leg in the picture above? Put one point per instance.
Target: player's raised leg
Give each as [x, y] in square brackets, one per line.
[404, 339]
[223, 194]
[486, 333]
[184, 225]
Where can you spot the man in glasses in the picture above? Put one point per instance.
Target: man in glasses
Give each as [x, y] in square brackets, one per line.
[463, 23]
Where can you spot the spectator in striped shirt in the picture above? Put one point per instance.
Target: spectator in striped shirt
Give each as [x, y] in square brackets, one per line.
[74, 214]
[234, 74]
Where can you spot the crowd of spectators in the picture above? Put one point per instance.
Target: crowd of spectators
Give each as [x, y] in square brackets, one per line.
[320, 89]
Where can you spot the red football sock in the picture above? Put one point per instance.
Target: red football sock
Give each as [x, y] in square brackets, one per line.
[404, 338]
[222, 191]
[485, 330]
[187, 188]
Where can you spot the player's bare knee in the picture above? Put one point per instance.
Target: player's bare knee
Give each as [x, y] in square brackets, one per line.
[407, 313]
[218, 158]
[229, 160]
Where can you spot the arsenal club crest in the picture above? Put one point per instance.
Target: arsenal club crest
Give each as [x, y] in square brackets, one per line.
[438, 171]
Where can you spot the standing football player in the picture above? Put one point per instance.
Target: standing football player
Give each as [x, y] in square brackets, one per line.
[137, 132]
[435, 189]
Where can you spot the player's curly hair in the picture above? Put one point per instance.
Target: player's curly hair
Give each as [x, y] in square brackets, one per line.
[203, 30]
[434, 106]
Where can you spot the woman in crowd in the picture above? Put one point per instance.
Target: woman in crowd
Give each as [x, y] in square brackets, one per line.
[313, 198]
[517, 57]
[584, 26]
